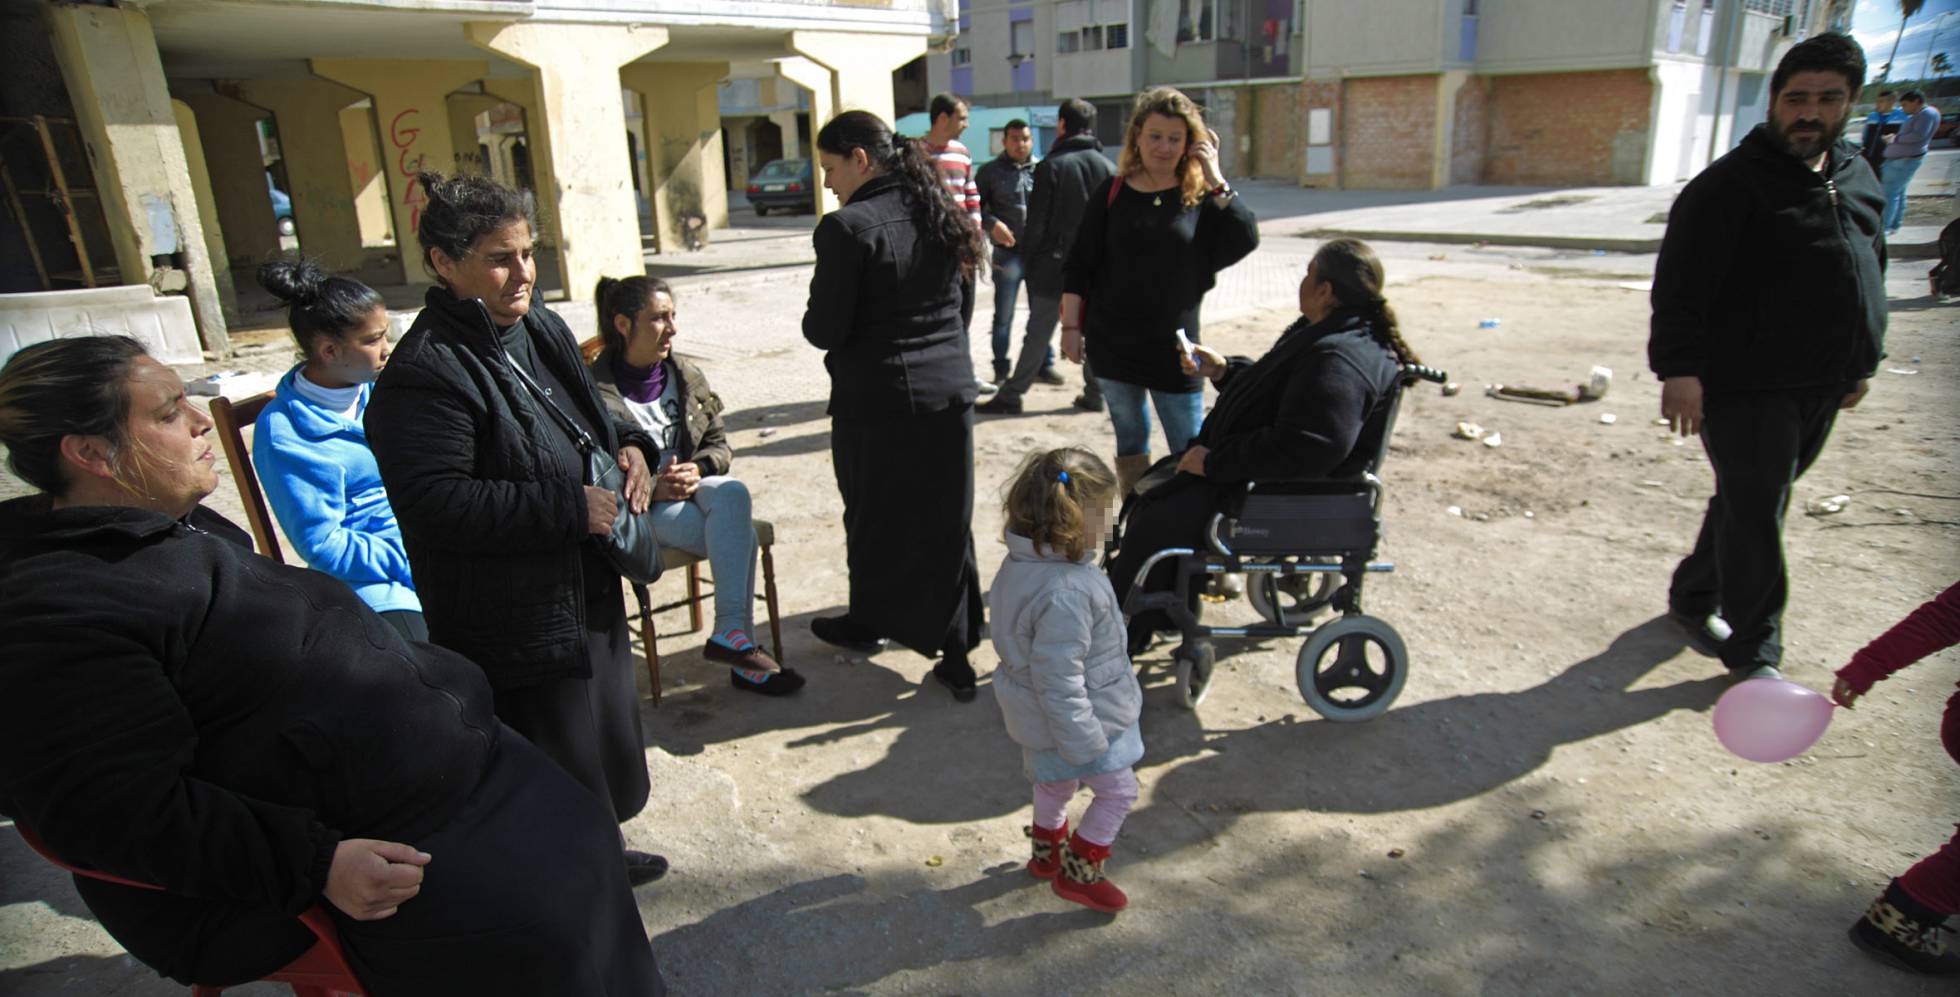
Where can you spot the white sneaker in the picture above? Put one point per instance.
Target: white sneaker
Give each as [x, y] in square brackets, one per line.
[987, 387]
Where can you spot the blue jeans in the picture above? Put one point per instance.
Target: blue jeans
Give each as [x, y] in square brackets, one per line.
[1898, 173]
[715, 524]
[1008, 274]
[1181, 412]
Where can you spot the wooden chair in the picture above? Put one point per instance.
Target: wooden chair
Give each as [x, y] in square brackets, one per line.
[231, 419]
[321, 971]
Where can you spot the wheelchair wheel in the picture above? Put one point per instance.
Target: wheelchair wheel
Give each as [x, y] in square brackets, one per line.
[1353, 668]
[1300, 596]
[1194, 669]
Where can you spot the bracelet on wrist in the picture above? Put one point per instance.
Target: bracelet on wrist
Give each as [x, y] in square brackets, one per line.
[1223, 190]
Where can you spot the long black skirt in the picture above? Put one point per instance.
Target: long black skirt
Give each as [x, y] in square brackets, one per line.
[591, 726]
[907, 484]
[525, 892]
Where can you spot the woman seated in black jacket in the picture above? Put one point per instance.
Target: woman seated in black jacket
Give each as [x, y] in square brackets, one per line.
[1315, 406]
[255, 740]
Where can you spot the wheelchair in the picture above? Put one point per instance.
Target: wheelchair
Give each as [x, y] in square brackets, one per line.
[1302, 546]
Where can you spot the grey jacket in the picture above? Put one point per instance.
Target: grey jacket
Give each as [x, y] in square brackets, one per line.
[1064, 683]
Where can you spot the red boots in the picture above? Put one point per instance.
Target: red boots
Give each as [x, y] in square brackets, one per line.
[1082, 876]
[1045, 864]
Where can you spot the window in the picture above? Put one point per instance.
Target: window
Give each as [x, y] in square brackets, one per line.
[1195, 21]
[1093, 38]
[1021, 38]
[1068, 42]
[1116, 36]
[962, 57]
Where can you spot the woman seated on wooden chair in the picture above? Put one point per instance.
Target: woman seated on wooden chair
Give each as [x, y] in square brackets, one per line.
[312, 453]
[254, 740]
[697, 507]
[1315, 406]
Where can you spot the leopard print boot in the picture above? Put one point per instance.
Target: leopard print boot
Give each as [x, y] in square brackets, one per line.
[1044, 864]
[1082, 877]
[1900, 931]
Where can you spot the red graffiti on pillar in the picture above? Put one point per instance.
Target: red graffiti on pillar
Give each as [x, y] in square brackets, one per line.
[403, 138]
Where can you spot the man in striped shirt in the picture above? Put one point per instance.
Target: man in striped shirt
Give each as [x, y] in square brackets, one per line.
[955, 165]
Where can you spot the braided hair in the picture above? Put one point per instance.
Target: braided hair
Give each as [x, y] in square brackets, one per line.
[1356, 273]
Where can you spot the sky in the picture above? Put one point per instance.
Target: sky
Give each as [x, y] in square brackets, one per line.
[1875, 23]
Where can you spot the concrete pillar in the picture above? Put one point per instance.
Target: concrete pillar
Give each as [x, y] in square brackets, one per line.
[861, 66]
[815, 78]
[785, 122]
[230, 130]
[414, 119]
[463, 109]
[357, 136]
[537, 145]
[315, 152]
[583, 128]
[684, 147]
[207, 208]
[114, 76]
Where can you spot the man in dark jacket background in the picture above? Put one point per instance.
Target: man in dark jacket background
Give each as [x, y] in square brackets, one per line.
[1768, 317]
[1005, 183]
[1062, 182]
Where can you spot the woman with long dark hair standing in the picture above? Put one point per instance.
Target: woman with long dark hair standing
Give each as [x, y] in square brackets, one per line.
[492, 498]
[885, 306]
[1152, 242]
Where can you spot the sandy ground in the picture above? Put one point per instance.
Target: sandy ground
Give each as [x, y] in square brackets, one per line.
[1545, 810]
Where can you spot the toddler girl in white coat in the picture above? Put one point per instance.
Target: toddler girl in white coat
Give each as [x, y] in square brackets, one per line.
[1064, 684]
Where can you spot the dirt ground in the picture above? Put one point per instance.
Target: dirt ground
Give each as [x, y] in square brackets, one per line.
[1545, 810]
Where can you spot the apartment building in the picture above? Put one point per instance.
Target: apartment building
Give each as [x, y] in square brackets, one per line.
[177, 117]
[1407, 93]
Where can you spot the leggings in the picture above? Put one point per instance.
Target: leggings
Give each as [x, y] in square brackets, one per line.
[1116, 793]
[1935, 879]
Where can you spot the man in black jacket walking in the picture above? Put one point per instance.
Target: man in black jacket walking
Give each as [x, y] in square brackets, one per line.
[1768, 317]
[1062, 182]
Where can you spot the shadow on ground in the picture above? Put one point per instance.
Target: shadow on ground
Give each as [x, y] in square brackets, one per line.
[1417, 756]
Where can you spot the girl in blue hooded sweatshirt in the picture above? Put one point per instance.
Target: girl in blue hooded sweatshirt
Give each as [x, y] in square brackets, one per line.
[312, 453]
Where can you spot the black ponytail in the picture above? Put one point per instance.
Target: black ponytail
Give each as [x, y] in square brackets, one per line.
[318, 304]
[1356, 273]
[947, 224]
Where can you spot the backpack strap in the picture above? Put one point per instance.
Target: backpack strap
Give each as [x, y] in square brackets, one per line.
[1115, 187]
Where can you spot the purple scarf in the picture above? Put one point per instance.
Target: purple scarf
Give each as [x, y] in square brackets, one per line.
[640, 384]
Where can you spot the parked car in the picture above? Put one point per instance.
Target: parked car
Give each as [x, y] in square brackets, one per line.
[282, 206]
[782, 183]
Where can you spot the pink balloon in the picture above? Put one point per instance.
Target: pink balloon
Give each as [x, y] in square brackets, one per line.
[1770, 720]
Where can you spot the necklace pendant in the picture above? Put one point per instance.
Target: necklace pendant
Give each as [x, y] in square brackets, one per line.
[1158, 201]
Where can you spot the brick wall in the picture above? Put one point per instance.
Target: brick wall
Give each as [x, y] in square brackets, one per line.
[1388, 133]
[1280, 131]
[1470, 132]
[1569, 129]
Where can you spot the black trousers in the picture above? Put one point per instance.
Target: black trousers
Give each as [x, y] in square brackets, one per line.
[1171, 514]
[1759, 444]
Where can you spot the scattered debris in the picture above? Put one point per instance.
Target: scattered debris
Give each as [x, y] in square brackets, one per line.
[1494, 440]
[1538, 815]
[1597, 383]
[1439, 256]
[935, 862]
[1900, 370]
[1528, 514]
[1451, 389]
[1652, 484]
[1468, 431]
[1396, 853]
[1365, 874]
[767, 432]
[1608, 418]
[1662, 421]
[1455, 510]
[1827, 506]
[1490, 323]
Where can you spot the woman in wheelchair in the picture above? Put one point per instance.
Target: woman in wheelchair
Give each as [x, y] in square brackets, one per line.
[1317, 405]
